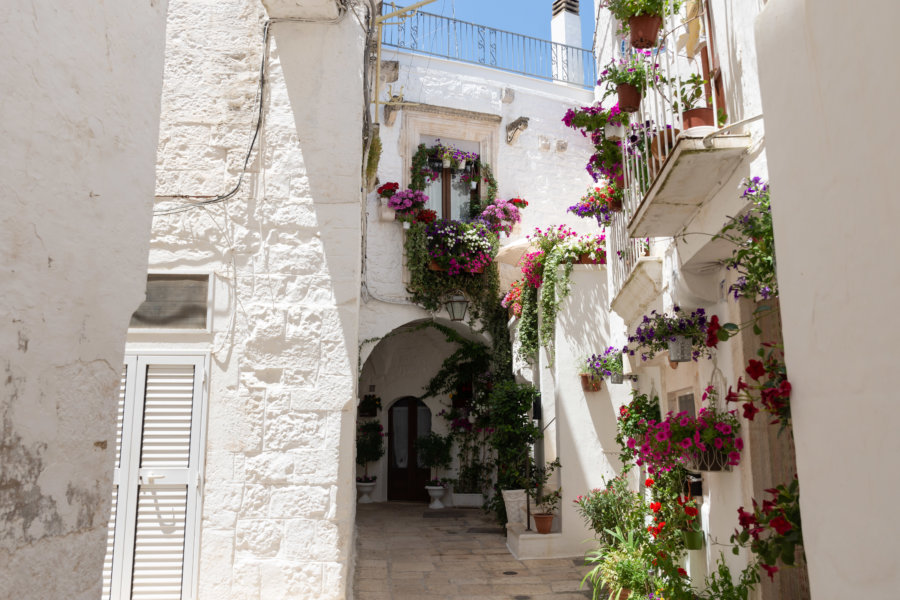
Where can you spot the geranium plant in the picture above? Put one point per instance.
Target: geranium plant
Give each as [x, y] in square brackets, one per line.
[407, 203]
[633, 422]
[767, 386]
[658, 329]
[460, 247]
[773, 531]
[754, 257]
[388, 189]
[513, 298]
[501, 216]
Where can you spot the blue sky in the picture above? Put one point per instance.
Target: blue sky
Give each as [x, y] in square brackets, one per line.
[528, 17]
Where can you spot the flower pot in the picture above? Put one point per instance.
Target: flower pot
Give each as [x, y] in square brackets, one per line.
[589, 383]
[699, 117]
[680, 349]
[435, 492]
[663, 143]
[363, 489]
[514, 502]
[615, 205]
[644, 30]
[434, 266]
[585, 259]
[623, 594]
[629, 97]
[711, 460]
[462, 165]
[474, 184]
[543, 522]
[613, 132]
[617, 378]
[693, 540]
[445, 163]
[673, 365]
[406, 224]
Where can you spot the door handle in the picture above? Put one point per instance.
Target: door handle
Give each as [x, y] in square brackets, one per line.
[151, 477]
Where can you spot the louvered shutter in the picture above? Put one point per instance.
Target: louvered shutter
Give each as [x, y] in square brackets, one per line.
[158, 497]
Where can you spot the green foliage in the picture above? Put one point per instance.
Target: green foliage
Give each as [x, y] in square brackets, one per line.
[529, 342]
[372, 160]
[610, 507]
[434, 451]
[622, 565]
[545, 501]
[623, 10]
[469, 361]
[632, 422]
[369, 443]
[721, 586]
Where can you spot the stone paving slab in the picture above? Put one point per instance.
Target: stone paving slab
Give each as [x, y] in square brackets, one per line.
[406, 551]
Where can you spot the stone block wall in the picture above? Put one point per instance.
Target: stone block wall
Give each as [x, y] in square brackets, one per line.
[279, 498]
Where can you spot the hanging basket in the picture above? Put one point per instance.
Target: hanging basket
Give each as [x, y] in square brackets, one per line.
[617, 378]
[644, 30]
[629, 97]
[693, 540]
[462, 165]
[589, 383]
[445, 163]
[711, 460]
[680, 349]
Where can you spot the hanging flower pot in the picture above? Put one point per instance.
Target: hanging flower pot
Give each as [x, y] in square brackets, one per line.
[617, 378]
[673, 365]
[629, 97]
[462, 165]
[474, 184]
[446, 163]
[589, 383]
[615, 205]
[710, 460]
[614, 132]
[698, 117]
[693, 540]
[543, 522]
[644, 30]
[680, 349]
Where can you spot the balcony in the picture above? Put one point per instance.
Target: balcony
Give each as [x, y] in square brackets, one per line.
[635, 275]
[436, 35]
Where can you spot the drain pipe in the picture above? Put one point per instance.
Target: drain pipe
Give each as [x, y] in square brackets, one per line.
[707, 140]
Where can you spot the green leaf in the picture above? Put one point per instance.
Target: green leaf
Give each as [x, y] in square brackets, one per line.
[730, 327]
[723, 335]
[757, 330]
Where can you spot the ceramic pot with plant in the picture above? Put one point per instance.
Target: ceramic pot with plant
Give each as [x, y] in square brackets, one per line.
[606, 364]
[546, 502]
[434, 452]
[369, 448]
[657, 330]
[642, 18]
[629, 78]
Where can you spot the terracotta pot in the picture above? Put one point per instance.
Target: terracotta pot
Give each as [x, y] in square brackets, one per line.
[543, 522]
[699, 117]
[673, 365]
[624, 594]
[615, 206]
[585, 259]
[662, 144]
[644, 30]
[629, 97]
[434, 266]
[590, 383]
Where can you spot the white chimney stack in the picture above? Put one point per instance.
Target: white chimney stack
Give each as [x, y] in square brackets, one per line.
[565, 29]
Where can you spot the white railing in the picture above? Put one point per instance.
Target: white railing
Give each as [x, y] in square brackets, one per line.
[622, 252]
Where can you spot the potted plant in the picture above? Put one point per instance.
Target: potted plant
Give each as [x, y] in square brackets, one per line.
[500, 216]
[545, 503]
[434, 452]
[614, 505]
[685, 517]
[589, 381]
[643, 18]
[600, 203]
[682, 335]
[369, 448]
[607, 365]
[629, 78]
[458, 247]
[624, 568]
[388, 190]
[407, 203]
[688, 96]
[512, 301]
[369, 405]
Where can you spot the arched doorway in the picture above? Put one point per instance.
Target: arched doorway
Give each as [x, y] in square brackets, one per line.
[408, 419]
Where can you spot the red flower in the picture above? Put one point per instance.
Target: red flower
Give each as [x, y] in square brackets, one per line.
[781, 525]
[649, 482]
[755, 369]
[712, 331]
[655, 506]
[770, 570]
[745, 518]
[690, 511]
[732, 396]
[750, 410]
[682, 572]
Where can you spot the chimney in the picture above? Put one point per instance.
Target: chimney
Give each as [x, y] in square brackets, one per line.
[565, 30]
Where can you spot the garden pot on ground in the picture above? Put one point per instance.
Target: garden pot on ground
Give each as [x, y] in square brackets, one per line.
[698, 117]
[623, 594]
[435, 492]
[543, 522]
[629, 97]
[680, 349]
[644, 30]
[589, 383]
[693, 540]
[363, 489]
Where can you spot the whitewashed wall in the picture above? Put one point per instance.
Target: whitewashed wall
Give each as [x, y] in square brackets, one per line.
[835, 211]
[279, 496]
[81, 85]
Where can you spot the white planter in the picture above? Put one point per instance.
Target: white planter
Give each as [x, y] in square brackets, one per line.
[462, 165]
[680, 349]
[406, 224]
[363, 489]
[435, 492]
[468, 500]
[446, 163]
[515, 506]
[617, 378]
[614, 132]
[474, 184]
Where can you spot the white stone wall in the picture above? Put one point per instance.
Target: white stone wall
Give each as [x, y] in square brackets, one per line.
[80, 101]
[835, 212]
[279, 497]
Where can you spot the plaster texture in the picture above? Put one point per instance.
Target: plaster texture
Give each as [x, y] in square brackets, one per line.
[284, 254]
[81, 87]
[837, 291]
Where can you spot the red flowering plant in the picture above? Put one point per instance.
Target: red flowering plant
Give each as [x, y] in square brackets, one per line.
[425, 216]
[767, 386]
[772, 531]
[708, 441]
[599, 203]
[519, 202]
[513, 298]
[633, 422]
[388, 189]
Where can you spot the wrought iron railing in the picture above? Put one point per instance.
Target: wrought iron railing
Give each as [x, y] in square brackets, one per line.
[436, 35]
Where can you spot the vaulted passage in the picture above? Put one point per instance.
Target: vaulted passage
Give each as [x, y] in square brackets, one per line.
[406, 552]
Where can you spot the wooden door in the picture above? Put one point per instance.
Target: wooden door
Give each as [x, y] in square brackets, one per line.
[408, 419]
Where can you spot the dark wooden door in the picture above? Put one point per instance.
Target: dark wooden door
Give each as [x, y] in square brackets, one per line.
[408, 419]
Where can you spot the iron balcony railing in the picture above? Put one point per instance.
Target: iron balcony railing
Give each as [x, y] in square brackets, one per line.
[435, 35]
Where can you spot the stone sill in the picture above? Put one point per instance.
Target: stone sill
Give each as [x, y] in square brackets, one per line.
[526, 545]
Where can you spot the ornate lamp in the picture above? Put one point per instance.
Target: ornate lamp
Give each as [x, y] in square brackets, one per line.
[456, 305]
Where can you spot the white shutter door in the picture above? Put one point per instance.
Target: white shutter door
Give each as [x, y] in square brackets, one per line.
[159, 493]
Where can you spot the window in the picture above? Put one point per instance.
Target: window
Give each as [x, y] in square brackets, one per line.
[174, 301]
[683, 401]
[450, 194]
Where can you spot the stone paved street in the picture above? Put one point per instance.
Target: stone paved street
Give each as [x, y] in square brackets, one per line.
[406, 551]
